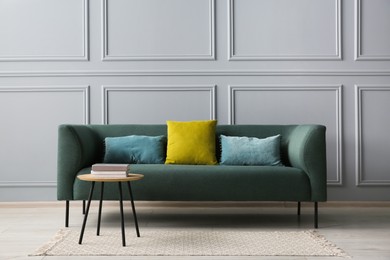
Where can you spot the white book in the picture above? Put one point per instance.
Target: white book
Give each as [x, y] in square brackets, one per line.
[108, 176]
[119, 173]
[110, 167]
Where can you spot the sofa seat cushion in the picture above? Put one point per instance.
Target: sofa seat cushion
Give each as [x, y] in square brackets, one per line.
[209, 183]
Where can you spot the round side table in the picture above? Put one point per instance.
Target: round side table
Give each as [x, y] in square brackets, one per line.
[96, 178]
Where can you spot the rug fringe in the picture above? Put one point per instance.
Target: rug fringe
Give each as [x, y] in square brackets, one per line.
[58, 237]
[326, 243]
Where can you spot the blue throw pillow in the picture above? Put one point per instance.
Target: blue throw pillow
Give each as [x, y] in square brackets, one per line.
[135, 149]
[241, 150]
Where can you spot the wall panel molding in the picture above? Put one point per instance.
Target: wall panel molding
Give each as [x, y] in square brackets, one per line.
[83, 90]
[363, 177]
[157, 73]
[148, 61]
[208, 55]
[359, 34]
[21, 184]
[106, 90]
[337, 89]
[83, 54]
[233, 56]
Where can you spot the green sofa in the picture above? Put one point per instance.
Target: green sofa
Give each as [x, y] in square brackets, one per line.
[301, 179]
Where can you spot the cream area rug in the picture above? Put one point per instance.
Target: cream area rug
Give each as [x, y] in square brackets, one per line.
[165, 242]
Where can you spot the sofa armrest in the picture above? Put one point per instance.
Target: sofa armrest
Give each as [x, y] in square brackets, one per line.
[78, 147]
[307, 151]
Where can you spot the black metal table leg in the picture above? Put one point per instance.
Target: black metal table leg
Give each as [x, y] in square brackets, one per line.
[100, 209]
[122, 217]
[86, 213]
[133, 207]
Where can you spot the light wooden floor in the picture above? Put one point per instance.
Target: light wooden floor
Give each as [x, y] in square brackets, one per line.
[362, 230]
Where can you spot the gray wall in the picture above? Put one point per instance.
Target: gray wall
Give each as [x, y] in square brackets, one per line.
[238, 61]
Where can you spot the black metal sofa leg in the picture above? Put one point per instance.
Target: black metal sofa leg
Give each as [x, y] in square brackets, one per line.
[299, 208]
[67, 214]
[315, 214]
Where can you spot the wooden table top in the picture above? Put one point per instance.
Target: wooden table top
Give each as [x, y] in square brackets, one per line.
[94, 177]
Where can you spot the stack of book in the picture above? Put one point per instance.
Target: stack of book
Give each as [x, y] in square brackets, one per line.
[110, 170]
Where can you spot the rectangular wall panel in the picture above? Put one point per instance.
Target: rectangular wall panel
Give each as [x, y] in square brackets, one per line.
[372, 130]
[30, 119]
[43, 30]
[158, 30]
[285, 30]
[371, 31]
[156, 104]
[291, 105]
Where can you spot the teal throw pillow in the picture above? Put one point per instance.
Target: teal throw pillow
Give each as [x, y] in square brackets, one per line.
[135, 149]
[242, 150]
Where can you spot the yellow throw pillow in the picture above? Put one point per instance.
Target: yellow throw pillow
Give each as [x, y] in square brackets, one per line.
[191, 142]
